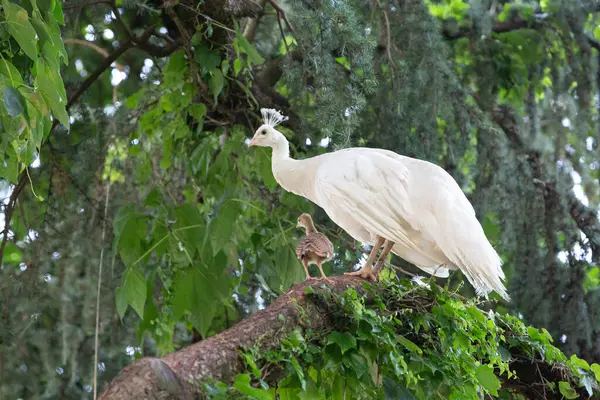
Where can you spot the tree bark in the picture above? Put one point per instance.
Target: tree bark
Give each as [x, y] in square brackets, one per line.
[218, 357]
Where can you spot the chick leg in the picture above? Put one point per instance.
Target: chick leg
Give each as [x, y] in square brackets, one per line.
[322, 273]
[387, 247]
[366, 272]
[305, 264]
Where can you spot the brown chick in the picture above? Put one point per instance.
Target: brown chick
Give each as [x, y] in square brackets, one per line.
[314, 247]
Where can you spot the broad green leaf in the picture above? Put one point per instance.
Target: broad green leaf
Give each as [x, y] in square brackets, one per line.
[13, 101]
[189, 226]
[566, 390]
[393, 391]
[596, 370]
[10, 165]
[132, 292]
[237, 66]
[12, 75]
[207, 59]
[408, 344]
[357, 363]
[198, 291]
[242, 384]
[487, 379]
[57, 42]
[12, 254]
[580, 363]
[57, 13]
[222, 227]
[130, 230]
[198, 111]
[344, 340]
[51, 85]
[216, 82]
[246, 47]
[20, 28]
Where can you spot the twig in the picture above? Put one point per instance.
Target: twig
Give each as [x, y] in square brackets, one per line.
[9, 209]
[283, 15]
[85, 4]
[119, 20]
[95, 47]
[98, 292]
[287, 49]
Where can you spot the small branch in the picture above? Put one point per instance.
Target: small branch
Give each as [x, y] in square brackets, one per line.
[85, 4]
[10, 208]
[95, 47]
[282, 13]
[119, 20]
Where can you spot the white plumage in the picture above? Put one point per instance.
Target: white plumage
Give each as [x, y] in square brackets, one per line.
[412, 207]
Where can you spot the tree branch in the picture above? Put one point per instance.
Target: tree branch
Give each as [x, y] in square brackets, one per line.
[218, 356]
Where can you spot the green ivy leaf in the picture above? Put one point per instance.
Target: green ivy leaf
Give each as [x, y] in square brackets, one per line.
[216, 82]
[237, 66]
[596, 370]
[487, 379]
[13, 101]
[345, 340]
[132, 292]
[357, 363]
[20, 28]
[242, 384]
[11, 73]
[393, 391]
[566, 390]
[222, 226]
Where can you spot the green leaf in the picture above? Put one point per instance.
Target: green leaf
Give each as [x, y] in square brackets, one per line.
[216, 82]
[12, 254]
[266, 170]
[487, 379]
[596, 370]
[51, 85]
[20, 28]
[11, 73]
[13, 101]
[237, 66]
[10, 165]
[198, 291]
[246, 47]
[207, 59]
[357, 363]
[580, 363]
[222, 227]
[198, 111]
[129, 229]
[393, 391]
[345, 340]
[242, 384]
[132, 292]
[566, 390]
[408, 344]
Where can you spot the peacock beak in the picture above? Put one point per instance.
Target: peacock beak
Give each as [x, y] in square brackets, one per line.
[252, 142]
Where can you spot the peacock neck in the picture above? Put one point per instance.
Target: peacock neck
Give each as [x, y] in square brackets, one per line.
[296, 176]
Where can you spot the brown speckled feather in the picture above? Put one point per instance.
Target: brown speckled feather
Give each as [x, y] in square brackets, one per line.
[314, 246]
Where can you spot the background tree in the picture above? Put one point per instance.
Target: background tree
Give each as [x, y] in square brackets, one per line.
[138, 173]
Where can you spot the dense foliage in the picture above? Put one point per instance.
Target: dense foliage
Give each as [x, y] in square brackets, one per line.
[147, 183]
[408, 340]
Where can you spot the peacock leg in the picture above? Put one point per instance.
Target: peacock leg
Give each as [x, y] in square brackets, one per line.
[305, 263]
[387, 247]
[366, 271]
[322, 273]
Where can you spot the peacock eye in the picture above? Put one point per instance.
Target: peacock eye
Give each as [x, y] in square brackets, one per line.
[264, 132]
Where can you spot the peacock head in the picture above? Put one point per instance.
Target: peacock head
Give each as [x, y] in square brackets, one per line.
[266, 135]
[305, 221]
